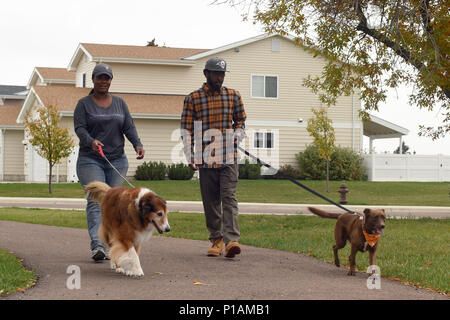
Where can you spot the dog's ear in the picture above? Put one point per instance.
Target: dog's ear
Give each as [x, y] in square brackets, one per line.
[367, 211]
[146, 205]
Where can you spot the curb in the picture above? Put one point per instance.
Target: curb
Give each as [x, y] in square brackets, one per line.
[244, 207]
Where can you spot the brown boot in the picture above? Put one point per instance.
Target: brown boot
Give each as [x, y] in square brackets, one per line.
[233, 248]
[216, 249]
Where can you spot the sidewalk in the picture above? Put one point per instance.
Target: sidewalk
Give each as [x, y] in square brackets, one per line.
[178, 269]
[244, 207]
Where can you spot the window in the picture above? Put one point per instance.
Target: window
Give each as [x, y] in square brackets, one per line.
[84, 80]
[263, 140]
[264, 86]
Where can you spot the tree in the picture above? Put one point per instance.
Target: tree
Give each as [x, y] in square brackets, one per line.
[405, 149]
[321, 129]
[370, 45]
[50, 140]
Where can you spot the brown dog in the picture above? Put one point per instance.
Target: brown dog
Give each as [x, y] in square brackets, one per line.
[362, 231]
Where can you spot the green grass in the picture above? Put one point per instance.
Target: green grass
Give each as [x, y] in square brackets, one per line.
[13, 276]
[413, 251]
[270, 191]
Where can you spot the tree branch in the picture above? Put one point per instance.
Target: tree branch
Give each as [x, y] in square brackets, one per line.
[398, 49]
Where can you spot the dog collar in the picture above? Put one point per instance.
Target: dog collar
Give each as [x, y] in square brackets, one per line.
[371, 239]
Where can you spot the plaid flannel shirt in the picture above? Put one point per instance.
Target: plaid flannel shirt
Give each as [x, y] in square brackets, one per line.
[221, 114]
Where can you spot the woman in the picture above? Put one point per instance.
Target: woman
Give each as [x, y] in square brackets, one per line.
[101, 119]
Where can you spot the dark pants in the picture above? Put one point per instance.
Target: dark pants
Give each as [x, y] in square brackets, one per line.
[218, 188]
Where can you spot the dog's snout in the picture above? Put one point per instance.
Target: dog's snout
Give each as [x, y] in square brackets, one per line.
[167, 228]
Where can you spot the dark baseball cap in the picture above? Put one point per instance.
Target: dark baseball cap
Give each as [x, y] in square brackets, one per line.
[102, 68]
[216, 64]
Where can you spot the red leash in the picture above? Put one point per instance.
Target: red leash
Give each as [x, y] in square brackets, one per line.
[100, 150]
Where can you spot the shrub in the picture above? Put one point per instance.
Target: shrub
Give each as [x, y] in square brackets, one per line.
[151, 171]
[180, 171]
[287, 171]
[249, 171]
[345, 164]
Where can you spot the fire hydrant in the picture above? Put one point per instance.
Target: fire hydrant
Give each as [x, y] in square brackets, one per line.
[343, 191]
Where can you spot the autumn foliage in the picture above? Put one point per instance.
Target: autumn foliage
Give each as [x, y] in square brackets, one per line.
[371, 46]
[51, 142]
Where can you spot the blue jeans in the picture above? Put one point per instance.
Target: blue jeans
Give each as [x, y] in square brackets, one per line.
[89, 170]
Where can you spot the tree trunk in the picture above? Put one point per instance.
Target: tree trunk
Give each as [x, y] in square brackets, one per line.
[50, 179]
[327, 175]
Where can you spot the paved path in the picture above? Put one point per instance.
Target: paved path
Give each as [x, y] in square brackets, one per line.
[172, 266]
[262, 208]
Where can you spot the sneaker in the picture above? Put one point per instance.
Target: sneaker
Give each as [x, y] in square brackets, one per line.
[232, 248]
[98, 254]
[216, 249]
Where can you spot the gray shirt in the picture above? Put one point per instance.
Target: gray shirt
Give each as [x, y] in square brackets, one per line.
[108, 125]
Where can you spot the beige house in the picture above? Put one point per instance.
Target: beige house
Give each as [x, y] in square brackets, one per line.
[11, 144]
[267, 70]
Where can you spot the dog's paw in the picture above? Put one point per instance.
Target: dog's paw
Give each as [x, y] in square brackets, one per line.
[136, 273]
[351, 273]
[112, 265]
[120, 270]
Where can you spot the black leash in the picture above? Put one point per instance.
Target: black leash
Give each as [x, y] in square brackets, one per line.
[293, 180]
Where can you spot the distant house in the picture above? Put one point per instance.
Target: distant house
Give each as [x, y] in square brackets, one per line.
[11, 133]
[51, 76]
[12, 95]
[267, 70]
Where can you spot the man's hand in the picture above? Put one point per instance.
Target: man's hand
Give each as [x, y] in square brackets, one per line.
[193, 166]
[140, 152]
[96, 144]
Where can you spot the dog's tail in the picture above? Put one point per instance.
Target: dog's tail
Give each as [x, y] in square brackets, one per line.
[324, 214]
[96, 191]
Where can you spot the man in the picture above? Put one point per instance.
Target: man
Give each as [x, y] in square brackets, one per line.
[213, 117]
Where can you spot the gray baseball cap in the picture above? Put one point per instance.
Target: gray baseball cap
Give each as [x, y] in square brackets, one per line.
[102, 68]
[216, 64]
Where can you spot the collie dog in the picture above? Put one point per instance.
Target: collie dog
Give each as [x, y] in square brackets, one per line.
[129, 217]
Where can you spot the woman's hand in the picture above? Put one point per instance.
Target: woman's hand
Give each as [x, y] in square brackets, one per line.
[96, 144]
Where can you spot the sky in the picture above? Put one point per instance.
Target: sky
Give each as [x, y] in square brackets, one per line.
[46, 33]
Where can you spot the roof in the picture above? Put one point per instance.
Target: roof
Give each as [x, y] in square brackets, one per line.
[138, 52]
[8, 116]
[56, 73]
[377, 128]
[132, 54]
[51, 75]
[7, 90]
[65, 98]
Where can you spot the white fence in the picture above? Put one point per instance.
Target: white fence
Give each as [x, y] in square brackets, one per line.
[405, 167]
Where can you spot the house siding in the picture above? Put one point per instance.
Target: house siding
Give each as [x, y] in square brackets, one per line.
[84, 66]
[14, 155]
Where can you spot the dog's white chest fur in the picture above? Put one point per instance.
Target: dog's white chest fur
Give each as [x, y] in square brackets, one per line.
[142, 236]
